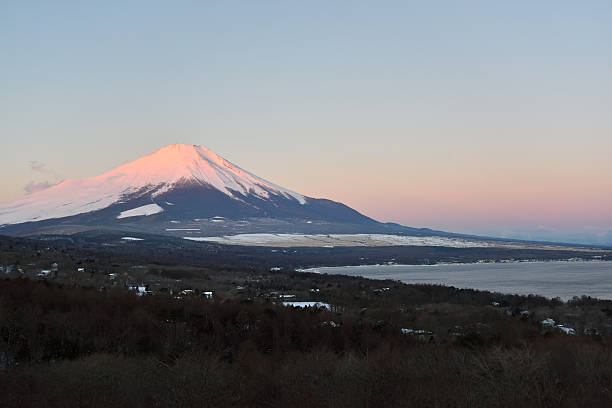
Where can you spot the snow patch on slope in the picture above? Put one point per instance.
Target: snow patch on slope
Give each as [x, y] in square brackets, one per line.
[148, 209]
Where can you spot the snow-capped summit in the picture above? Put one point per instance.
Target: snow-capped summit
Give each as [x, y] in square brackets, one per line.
[155, 174]
[180, 163]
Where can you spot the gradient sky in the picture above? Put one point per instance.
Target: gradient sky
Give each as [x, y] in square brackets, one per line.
[470, 116]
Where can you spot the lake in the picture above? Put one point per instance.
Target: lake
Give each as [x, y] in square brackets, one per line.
[550, 279]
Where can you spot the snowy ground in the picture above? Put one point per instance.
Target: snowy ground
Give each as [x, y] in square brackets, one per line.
[308, 304]
[343, 240]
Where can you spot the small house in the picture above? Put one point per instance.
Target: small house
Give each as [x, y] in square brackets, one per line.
[548, 322]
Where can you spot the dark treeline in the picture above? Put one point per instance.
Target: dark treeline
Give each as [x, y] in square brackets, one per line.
[66, 346]
[108, 247]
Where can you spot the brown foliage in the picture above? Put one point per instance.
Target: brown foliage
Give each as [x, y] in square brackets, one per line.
[67, 346]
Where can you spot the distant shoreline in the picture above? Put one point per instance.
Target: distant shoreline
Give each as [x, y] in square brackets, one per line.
[313, 270]
[563, 279]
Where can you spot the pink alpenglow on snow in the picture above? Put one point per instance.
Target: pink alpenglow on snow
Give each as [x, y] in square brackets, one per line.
[153, 174]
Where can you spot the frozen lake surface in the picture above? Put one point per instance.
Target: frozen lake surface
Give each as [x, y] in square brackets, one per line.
[550, 279]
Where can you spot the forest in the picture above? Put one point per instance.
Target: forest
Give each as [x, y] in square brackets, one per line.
[82, 336]
[73, 346]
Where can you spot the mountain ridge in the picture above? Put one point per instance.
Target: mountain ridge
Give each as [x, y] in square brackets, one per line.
[181, 184]
[152, 174]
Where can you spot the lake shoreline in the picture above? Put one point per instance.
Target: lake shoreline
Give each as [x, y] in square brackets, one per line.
[554, 278]
[312, 270]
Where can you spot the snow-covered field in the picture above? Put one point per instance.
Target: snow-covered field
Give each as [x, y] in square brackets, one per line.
[308, 304]
[343, 240]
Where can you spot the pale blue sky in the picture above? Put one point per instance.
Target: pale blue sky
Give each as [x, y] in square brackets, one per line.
[472, 116]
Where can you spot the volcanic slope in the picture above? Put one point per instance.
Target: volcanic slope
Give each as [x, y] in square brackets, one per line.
[181, 188]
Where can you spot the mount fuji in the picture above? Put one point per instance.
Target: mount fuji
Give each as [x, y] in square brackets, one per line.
[177, 190]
